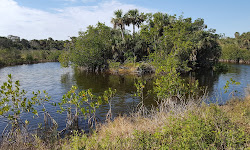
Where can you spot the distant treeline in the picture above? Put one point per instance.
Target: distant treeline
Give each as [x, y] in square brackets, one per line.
[236, 49]
[14, 42]
[14, 50]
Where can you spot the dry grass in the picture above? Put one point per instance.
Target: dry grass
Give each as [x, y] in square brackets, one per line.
[157, 119]
[149, 121]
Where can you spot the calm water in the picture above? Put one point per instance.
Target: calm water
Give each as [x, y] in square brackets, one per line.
[57, 81]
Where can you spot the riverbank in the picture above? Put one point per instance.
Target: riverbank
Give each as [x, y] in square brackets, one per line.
[234, 61]
[169, 126]
[28, 63]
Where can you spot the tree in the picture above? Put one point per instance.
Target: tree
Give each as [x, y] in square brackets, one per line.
[119, 21]
[236, 35]
[153, 30]
[187, 42]
[25, 44]
[237, 48]
[5, 43]
[92, 48]
[135, 18]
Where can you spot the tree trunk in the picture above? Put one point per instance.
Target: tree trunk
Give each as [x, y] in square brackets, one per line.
[133, 30]
[122, 31]
[122, 34]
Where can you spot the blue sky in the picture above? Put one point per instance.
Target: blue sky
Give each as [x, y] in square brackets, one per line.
[59, 19]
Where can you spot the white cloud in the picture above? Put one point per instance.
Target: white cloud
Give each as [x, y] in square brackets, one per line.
[38, 24]
[87, 1]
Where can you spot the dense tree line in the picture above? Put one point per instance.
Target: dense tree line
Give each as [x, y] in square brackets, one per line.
[237, 48]
[163, 39]
[14, 50]
[14, 42]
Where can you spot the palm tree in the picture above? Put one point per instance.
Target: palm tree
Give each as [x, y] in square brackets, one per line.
[119, 21]
[133, 17]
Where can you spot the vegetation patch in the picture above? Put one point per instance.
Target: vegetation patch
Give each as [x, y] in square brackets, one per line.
[186, 126]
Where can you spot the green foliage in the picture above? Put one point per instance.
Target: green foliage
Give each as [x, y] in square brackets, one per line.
[187, 42]
[10, 57]
[29, 58]
[107, 96]
[83, 103]
[14, 101]
[53, 55]
[64, 59]
[119, 21]
[14, 57]
[231, 52]
[140, 85]
[237, 48]
[14, 51]
[92, 48]
[168, 83]
[227, 85]
[219, 67]
[135, 18]
[172, 85]
[167, 39]
[113, 64]
[14, 42]
[78, 100]
[194, 132]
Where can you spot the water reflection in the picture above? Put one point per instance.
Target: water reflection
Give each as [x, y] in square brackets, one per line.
[206, 79]
[214, 82]
[124, 101]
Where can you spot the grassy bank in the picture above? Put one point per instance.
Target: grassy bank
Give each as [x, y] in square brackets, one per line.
[171, 125]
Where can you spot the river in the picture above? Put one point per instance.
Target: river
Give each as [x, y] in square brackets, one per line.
[57, 81]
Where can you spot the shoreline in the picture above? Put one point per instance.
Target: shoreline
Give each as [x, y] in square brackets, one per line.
[28, 63]
[235, 61]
